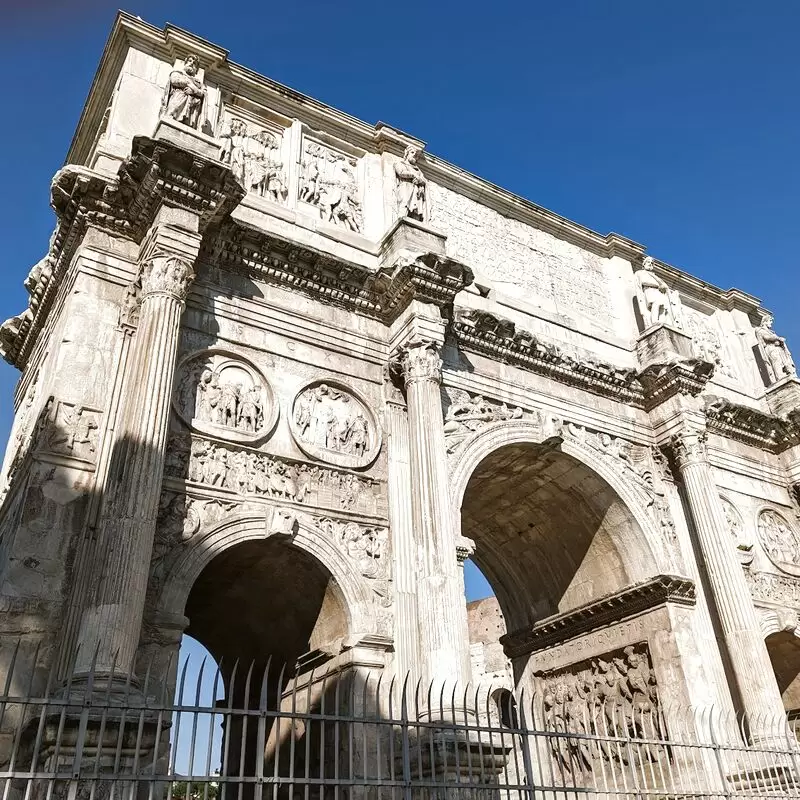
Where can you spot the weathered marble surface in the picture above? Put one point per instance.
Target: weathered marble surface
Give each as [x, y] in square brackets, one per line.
[266, 334]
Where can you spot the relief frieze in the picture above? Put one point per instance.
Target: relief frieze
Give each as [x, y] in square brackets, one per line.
[328, 182]
[613, 695]
[249, 473]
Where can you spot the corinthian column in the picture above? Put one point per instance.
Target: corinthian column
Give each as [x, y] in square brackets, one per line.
[749, 660]
[440, 600]
[111, 624]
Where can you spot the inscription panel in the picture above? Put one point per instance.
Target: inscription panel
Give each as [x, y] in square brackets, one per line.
[544, 269]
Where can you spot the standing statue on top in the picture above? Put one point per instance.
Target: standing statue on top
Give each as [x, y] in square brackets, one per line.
[185, 94]
[658, 304]
[411, 185]
[774, 351]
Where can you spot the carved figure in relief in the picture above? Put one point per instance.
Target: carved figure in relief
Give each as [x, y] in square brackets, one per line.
[657, 304]
[774, 351]
[79, 427]
[233, 148]
[252, 161]
[328, 181]
[613, 695]
[780, 540]
[245, 472]
[229, 404]
[475, 412]
[185, 94]
[411, 185]
[327, 418]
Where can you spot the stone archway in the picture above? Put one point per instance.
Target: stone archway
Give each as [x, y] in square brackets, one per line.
[583, 570]
[580, 492]
[284, 611]
[782, 638]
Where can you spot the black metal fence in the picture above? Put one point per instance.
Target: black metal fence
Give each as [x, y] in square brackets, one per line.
[340, 731]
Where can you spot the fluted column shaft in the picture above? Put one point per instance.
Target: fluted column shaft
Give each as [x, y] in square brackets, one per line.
[440, 601]
[111, 625]
[744, 641]
[404, 548]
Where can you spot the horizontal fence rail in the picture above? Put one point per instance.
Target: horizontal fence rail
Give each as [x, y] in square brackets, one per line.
[339, 731]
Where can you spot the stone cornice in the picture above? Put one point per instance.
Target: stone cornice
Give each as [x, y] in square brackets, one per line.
[429, 278]
[750, 426]
[663, 381]
[499, 339]
[382, 293]
[157, 173]
[607, 610]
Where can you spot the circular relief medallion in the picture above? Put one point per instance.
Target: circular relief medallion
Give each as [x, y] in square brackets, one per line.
[224, 395]
[334, 424]
[780, 540]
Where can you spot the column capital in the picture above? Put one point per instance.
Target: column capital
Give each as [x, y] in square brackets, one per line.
[689, 447]
[419, 360]
[167, 274]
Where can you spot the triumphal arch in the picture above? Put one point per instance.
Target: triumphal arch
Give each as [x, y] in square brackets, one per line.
[283, 372]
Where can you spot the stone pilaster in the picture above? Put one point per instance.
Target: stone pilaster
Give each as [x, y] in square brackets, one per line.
[111, 624]
[744, 642]
[440, 601]
[404, 548]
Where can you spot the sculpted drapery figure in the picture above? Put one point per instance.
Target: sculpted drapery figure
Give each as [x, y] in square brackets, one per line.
[185, 94]
[657, 303]
[411, 185]
[774, 351]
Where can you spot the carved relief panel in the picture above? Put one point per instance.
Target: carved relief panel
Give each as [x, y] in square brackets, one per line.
[331, 182]
[615, 694]
[708, 341]
[244, 471]
[256, 153]
[334, 424]
[224, 395]
[780, 540]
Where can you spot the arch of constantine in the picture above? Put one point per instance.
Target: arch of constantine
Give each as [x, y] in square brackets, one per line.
[283, 372]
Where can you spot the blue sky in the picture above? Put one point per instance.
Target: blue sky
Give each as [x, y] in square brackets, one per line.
[675, 124]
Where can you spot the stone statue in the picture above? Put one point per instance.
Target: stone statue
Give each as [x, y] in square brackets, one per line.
[657, 303]
[411, 185]
[774, 351]
[185, 94]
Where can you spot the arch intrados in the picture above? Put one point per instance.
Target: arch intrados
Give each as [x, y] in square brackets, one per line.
[200, 551]
[648, 559]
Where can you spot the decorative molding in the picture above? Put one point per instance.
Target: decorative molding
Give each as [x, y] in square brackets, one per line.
[156, 173]
[607, 610]
[663, 381]
[750, 426]
[498, 338]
